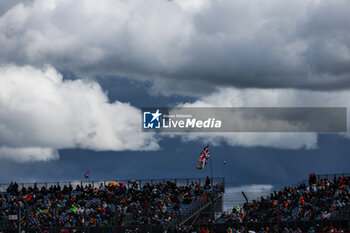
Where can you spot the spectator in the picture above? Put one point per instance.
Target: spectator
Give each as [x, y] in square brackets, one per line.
[66, 207]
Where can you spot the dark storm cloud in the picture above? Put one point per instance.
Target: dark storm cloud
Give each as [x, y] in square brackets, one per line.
[268, 44]
[244, 165]
[283, 44]
[182, 47]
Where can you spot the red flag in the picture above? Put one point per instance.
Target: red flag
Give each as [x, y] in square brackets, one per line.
[86, 174]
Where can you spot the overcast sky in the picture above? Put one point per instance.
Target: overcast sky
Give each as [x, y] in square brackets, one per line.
[74, 75]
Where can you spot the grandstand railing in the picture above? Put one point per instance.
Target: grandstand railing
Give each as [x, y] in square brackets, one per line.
[199, 206]
[329, 177]
[96, 183]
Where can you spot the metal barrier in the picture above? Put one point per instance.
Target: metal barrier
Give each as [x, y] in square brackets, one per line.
[329, 177]
[96, 183]
[198, 206]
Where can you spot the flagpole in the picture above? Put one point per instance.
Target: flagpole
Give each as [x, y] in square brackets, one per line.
[212, 188]
[211, 170]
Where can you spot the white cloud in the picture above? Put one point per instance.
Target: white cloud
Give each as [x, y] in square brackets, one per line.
[233, 97]
[246, 43]
[187, 47]
[193, 5]
[40, 112]
[272, 140]
[28, 154]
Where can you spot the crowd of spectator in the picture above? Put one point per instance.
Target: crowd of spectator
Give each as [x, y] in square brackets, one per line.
[319, 200]
[315, 229]
[116, 205]
[158, 204]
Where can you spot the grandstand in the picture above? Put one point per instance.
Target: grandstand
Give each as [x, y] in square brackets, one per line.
[319, 204]
[106, 206]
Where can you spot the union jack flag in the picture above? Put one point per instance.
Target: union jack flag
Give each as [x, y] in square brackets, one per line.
[204, 157]
[86, 174]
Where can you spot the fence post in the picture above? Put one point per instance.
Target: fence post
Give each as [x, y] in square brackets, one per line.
[224, 184]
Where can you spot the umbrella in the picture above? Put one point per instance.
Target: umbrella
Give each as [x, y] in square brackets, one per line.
[122, 185]
[113, 183]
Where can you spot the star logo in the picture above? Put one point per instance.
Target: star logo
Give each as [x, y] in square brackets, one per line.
[152, 119]
[156, 115]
